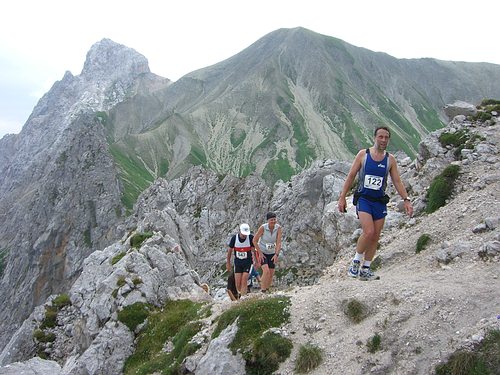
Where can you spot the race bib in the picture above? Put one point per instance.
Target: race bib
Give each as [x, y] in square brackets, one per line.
[373, 182]
[270, 246]
[241, 254]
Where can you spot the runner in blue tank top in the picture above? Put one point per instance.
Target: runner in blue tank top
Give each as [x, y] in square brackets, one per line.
[373, 165]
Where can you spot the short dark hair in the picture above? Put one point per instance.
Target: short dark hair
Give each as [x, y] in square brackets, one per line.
[382, 127]
[270, 215]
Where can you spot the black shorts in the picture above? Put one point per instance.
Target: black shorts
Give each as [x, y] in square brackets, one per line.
[241, 266]
[268, 260]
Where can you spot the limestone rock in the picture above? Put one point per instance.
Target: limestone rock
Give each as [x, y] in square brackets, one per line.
[459, 108]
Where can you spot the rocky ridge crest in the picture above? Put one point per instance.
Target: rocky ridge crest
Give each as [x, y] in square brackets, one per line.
[60, 195]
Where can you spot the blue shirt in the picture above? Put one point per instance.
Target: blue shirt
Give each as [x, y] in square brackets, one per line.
[372, 177]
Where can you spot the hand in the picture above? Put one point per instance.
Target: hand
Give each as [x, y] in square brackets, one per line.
[275, 258]
[408, 208]
[342, 205]
[228, 267]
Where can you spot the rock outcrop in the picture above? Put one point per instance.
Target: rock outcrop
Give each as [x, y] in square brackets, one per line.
[60, 193]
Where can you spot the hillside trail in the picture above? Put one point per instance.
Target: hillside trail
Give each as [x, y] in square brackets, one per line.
[422, 309]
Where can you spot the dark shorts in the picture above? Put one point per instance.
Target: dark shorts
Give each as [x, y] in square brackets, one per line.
[268, 260]
[242, 265]
[378, 210]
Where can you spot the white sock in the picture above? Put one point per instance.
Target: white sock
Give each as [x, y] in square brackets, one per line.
[367, 263]
[358, 256]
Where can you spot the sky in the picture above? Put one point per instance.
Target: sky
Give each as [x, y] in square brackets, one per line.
[41, 40]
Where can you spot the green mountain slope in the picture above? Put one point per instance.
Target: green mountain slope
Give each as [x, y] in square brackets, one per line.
[292, 97]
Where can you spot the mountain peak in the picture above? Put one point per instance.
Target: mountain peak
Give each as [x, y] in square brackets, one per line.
[108, 59]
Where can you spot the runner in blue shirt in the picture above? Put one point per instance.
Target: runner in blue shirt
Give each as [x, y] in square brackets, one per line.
[373, 165]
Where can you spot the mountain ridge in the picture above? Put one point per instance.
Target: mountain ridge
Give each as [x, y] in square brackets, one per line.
[95, 141]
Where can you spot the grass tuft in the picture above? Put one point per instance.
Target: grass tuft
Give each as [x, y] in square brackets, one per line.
[374, 343]
[118, 257]
[483, 360]
[175, 322]
[43, 337]
[309, 357]
[137, 239]
[50, 319]
[133, 315]
[267, 353]
[422, 242]
[262, 349]
[256, 316]
[60, 301]
[355, 310]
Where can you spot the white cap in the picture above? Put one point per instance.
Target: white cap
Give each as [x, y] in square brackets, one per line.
[245, 229]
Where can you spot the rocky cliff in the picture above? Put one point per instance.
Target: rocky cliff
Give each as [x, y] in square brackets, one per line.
[60, 190]
[425, 306]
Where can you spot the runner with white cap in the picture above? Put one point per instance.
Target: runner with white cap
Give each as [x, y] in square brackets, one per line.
[241, 245]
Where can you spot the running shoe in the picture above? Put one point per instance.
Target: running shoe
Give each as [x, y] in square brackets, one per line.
[366, 274]
[354, 268]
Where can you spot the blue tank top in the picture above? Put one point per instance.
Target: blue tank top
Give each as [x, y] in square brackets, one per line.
[372, 177]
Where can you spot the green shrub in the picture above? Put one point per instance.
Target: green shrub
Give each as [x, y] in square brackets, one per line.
[121, 281]
[133, 315]
[493, 107]
[460, 139]
[441, 188]
[38, 334]
[483, 360]
[463, 363]
[308, 359]
[422, 242]
[373, 343]
[482, 116]
[456, 139]
[138, 238]
[60, 301]
[50, 319]
[41, 353]
[137, 280]
[118, 257]
[255, 317]
[355, 310]
[267, 353]
[41, 336]
[173, 322]
[486, 102]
